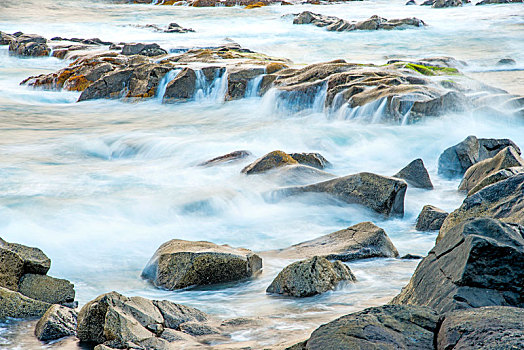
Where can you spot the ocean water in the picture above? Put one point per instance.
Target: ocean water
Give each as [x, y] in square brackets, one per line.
[99, 185]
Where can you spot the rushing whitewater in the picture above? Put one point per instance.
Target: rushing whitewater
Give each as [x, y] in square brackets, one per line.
[99, 185]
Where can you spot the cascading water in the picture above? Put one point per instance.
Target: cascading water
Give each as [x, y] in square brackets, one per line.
[253, 86]
[162, 85]
[311, 99]
[211, 91]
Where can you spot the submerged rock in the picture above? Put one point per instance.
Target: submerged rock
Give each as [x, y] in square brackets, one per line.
[270, 161]
[179, 264]
[29, 45]
[227, 158]
[431, 218]
[309, 277]
[415, 174]
[16, 305]
[478, 263]
[360, 241]
[315, 160]
[57, 322]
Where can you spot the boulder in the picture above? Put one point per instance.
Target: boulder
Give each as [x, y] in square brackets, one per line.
[58, 322]
[496, 177]
[180, 264]
[382, 327]
[176, 314]
[415, 174]
[503, 200]
[360, 241]
[227, 158]
[383, 194]
[198, 329]
[504, 61]
[29, 45]
[479, 263]
[17, 260]
[315, 160]
[110, 85]
[506, 158]
[16, 305]
[487, 2]
[143, 49]
[45, 288]
[182, 87]
[446, 3]
[455, 160]
[310, 277]
[270, 161]
[238, 80]
[490, 327]
[430, 218]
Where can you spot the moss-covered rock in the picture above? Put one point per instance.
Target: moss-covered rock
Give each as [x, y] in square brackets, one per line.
[270, 161]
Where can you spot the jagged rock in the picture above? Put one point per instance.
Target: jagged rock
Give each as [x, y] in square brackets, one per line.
[383, 327]
[446, 3]
[415, 174]
[176, 314]
[430, 218]
[315, 160]
[179, 264]
[270, 161]
[16, 305]
[506, 158]
[383, 194]
[478, 263]
[45, 288]
[496, 177]
[227, 158]
[30, 45]
[182, 87]
[503, 200]
[17, 260]
[58, 322]
[143, 49]
[197, 329]
[455, 160]
[6, 39]
[360, 241]
[238, 80]
[491, 327]
[309, 277]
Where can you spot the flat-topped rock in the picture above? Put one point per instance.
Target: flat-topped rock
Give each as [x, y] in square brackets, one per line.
[45, 288]
[29, 45]
[415, 174]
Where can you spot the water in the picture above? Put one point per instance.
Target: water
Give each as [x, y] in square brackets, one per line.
[99, 185]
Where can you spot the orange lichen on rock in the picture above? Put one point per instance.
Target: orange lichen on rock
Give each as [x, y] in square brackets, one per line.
[275, 67]
[77, 83]
[255, 5]
[62, 77]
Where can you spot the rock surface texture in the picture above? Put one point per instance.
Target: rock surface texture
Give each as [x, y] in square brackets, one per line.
[431, 218]
[58, 322]
[415, 174]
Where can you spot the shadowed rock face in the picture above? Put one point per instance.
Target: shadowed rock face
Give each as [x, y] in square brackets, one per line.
[431, 218]
[415, 174]
[496, 177]
[58, 322]
[478, 263]
[29, 45]
[179, 264]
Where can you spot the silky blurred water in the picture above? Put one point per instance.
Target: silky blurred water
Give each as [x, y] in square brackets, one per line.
[99, 185]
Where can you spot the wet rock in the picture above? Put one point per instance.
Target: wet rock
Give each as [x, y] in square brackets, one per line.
[270, 161]
[315, 160]
[227, 158]
[478, 263]
[430, 218]
[487, 2]
[309, 277]
[109, 86]
[360, 241]
[238, 80]
[58, 322]
[454, 161]
[411, 257]
[182, 87]
[446, 3]
[383, 327]
[16, 305]
[6, 39]
[496, 177]
[179, 264]
[504, 61]
[506, 158]
[17, 260]
[503, 200]
[30, 45]
[48, 289]
[176, 314]
[298, 174]
[415, 174]
[483, 328]
[411, 2]
[143, 49]
[383, 194]
[427, 3]
[197, 329]
[176, 28]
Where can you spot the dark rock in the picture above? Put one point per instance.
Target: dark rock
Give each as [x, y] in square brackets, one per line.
[238, 80]
[315, 160]
[45, 288]
[182, 87]
[176, 314]
[227, 158]
[179, 264]
[143, 49]
[478, 263]
[298, 174]
[411, 257]
[496, 177]
[505, 61]
[109, 86]
[415, 174]
[309, 277]
[411, 2]
[270, 161]
[487, 2]
[16, 305]
[360, 241]
[30, 45]
[427, 3]
[431, 218]
[446, 3]
[57, 322]
[6, 39]
[198, 329]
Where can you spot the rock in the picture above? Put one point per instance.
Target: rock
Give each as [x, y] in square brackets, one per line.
[491, 327]
[179, 264]
[506, 158]
[270, 161]
[383, 194]
[197, 329]
[415, 174]
[504, 200]
[17, 260]
[411, 257]
[182, 87]
[496, 177]
[383, 327]
[227, 158]
[176, 314]
[446, 3]
[411, 2]
[45, 288]
[176, 28]
[315, 160]
[239, 79]
[487, 2]
[58, 322]
[16, 305]
[478, 263]
[109, 86]
[310, 277]
[6, 39]
[504, 61]
[360, 241]
[30, 45]
[455, 160]
[430, 218]
[298, 174]
[427, 3]
[143, 49]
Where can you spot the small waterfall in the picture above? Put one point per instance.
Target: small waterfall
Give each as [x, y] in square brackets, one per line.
[253, 86]
[373, 112]
[405, 116]
[214, 91]
[281, 101]
[162, 85]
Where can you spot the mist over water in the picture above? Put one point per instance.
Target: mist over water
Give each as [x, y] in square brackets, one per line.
[99, 185]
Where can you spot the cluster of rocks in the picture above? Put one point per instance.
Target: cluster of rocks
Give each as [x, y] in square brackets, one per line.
[456, 3]
[340, 25]
[171, 28]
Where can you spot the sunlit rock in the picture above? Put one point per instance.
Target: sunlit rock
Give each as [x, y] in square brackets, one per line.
[57, 322]
[415, 174]
[431, 218]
